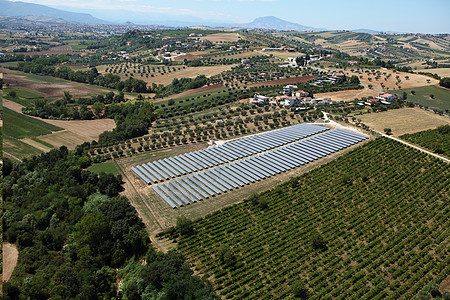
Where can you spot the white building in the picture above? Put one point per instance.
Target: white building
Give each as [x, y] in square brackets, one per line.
[292, 101]
[386, 97]
[289, 88]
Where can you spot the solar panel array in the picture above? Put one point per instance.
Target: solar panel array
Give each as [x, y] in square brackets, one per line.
[202, 174]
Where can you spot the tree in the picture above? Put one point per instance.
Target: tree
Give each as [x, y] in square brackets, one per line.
[98, 108]
[445, 82]
[388, 131]
[354, 79]
[226, 256]
[404, 96]
[316, 239]
[185, 226]
[299, 290]
[432, 96]
[67, 96]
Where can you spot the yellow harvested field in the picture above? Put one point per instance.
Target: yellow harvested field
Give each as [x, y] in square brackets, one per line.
[222, 37]
[443, 72]
[349, 95]
[284, 54]
[404, 120]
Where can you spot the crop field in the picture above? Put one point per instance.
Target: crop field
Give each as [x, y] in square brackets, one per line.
[348, 95]
[222, 37]
[389, 80]
[24, 96]
[15, 149]
[160, 74]
[374, 241]
[443, 72]
[399, 120]
[21, 126]
[40, 84]
[422, 96]
[436, 140]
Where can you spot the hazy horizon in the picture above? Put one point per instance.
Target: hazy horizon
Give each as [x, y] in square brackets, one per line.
[397, 16]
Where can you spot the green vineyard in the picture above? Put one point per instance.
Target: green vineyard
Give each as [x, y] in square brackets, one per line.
[372, 224]
[436, 140]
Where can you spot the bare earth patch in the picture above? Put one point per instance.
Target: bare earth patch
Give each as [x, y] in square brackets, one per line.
[349, 95]
[222, 37]
[10, 256]
[36, 144]
[404, 120]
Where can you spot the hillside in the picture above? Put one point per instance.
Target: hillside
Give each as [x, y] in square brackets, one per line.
[21, 9]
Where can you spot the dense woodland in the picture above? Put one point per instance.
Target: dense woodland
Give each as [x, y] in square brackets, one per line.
[73, 232]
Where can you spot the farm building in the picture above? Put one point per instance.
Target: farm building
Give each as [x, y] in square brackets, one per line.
[257, 99]
[289, 88]
[386, 97]
[300, 94]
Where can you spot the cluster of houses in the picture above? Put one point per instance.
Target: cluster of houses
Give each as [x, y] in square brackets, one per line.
[292, 97]
[382, 98]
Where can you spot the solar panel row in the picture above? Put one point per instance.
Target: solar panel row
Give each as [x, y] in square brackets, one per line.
[180, 165]
[217, 180]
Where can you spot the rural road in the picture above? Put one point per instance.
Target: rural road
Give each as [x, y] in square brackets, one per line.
[390, 137]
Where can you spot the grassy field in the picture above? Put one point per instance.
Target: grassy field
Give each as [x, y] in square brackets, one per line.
[24, 96]
[441, 98]
[105, 167]
[364, 205]
[21, 126]
[16, 149]
[403, 120]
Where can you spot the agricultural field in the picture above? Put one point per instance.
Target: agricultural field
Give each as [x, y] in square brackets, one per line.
[436, 140]
[20, 126]
[222, 37]
[349, 229]
[46, 86]
[385, 79]
[434, 97]
[160, 74]
[349, 95]
[443, 72]
[403, 120]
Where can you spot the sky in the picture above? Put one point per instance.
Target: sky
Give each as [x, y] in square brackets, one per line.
[431, 16]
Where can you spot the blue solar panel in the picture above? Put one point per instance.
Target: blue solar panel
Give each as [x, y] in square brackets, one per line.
[138, 173]
[163, 196]
[169, 194]
[177, 193]
[200, 185]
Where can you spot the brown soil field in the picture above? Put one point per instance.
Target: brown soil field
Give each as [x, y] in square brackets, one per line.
[404, 120]
[48, 90]
[283, 81]
[222, 37]
[349, 95]
[76, 131]
[10, 256]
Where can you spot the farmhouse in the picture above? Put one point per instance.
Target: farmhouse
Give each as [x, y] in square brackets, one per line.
[290, 100]
[353, 62]
[386, 97]
[300, 94]
[289, 88]
[258, 99]
[320, 100]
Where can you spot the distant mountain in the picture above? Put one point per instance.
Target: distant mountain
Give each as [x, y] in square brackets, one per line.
[23, 9]
[370, 31]
[271, 22]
